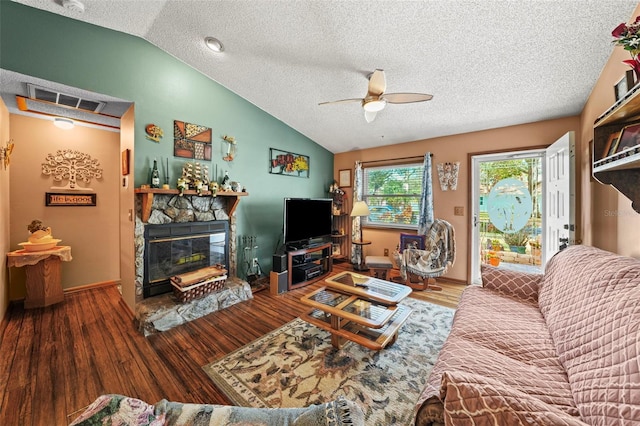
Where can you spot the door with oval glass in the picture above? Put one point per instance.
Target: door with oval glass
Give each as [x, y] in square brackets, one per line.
[522, 203]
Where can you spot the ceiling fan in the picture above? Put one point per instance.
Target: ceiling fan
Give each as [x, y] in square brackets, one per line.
[376, 99]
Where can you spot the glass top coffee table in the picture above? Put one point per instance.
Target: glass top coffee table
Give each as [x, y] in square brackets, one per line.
[358, 308]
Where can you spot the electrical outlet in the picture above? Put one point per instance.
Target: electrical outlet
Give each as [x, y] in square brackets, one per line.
[458, 211]
[386, 252]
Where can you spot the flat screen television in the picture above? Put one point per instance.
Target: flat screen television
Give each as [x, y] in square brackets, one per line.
[307, 220]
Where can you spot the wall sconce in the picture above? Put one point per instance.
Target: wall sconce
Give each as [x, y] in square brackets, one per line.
[448, 175]
[5, 153]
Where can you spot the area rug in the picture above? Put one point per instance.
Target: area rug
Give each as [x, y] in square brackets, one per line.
[295, 366]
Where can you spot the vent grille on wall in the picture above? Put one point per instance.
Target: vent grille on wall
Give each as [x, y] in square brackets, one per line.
[43, 94]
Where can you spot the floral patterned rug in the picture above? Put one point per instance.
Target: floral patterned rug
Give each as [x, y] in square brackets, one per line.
[295, 366]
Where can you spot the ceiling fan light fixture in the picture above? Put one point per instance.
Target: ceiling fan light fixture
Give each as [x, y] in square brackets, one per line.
[63, 123]
[214, 44]
[375, 105]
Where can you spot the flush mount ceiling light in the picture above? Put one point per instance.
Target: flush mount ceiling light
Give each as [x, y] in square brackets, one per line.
[73, 5]
[63, 123]
[214, 44]
[374, 106]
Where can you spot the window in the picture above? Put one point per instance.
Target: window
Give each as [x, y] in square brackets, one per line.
[393, 195]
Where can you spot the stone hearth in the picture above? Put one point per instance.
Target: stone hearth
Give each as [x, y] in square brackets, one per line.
[161, 313]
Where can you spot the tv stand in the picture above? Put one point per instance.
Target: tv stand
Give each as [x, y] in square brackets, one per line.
[308, 265]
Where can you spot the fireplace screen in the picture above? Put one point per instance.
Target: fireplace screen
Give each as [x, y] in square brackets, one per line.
[172, 250]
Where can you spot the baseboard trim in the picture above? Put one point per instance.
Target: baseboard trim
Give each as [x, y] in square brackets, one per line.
[91, 286]
[452, 280]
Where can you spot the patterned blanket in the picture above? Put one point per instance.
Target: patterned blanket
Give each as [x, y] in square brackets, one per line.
[123, 410]
[439, 253]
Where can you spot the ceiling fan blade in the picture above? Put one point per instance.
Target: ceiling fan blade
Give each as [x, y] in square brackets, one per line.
[342, 101]
[405, 98]
[377, 83]
[369, 116]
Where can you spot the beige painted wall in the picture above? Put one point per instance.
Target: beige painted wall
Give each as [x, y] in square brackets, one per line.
[92, 232]
[610, 221]
[4, 214]
[450, 149]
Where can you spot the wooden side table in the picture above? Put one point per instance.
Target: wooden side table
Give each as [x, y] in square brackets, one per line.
[361, 266]
[44, 274]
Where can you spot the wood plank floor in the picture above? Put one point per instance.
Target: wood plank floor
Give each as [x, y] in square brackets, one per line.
[54, 361]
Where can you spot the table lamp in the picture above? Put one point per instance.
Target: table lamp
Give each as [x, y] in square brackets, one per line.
[360, 209]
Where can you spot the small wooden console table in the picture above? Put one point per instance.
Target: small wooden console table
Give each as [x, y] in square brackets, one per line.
[44, 274]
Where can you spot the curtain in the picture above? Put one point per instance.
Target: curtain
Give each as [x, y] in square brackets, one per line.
[355, 224]
[426, 199]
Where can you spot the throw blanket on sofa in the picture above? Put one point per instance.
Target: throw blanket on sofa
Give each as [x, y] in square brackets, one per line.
[561, 348]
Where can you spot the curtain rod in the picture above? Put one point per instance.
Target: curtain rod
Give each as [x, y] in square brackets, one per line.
[396, 159]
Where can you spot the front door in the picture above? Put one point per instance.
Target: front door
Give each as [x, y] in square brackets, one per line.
[523, 208]
[560, 196]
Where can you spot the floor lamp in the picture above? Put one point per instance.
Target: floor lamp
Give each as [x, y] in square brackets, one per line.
[360, 209]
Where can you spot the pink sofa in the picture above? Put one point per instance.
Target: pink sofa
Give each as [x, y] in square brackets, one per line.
[561, 348]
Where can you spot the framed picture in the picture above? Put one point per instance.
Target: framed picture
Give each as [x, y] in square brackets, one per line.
[625, 84]
[612, 143]
[288, 164]
[344, 178]
[125, 161]
[629, 137]
[191, 141]
[411, 241]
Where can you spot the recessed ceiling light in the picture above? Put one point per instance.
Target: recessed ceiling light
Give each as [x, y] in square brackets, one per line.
[214, 44]
[63, 123]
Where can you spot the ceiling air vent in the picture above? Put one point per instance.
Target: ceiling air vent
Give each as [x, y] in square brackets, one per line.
[43, 94]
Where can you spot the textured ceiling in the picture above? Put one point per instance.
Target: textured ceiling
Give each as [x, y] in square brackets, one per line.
[488, 63]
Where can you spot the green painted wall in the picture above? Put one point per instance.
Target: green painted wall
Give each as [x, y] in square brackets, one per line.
[55, 48]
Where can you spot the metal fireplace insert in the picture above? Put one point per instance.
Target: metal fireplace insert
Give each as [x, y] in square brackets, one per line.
[176, 248]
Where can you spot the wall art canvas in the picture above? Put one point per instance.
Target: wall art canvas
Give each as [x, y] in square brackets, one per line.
[191, 141]
[288, 164]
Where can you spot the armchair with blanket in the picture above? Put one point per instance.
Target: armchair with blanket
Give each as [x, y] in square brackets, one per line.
[431, 262]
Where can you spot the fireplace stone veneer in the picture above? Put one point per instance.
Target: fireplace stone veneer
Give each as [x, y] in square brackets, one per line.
[167, 206]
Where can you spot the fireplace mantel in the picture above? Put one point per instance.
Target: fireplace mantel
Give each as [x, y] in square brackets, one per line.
[148, 193]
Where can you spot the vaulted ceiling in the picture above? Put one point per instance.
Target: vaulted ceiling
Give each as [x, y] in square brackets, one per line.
[487, 63]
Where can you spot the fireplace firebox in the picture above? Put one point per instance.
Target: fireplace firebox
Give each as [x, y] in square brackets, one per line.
[177, 248]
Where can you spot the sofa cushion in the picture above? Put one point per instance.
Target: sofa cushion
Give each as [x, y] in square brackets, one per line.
[472, 399]
[522, 285]
[590, 302]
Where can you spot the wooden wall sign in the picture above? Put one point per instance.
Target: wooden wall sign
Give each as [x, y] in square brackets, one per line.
[53, 199]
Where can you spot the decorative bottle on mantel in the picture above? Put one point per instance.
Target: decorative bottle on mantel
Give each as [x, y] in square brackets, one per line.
[155, 175]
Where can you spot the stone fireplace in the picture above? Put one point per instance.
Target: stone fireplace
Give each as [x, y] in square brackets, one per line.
[175, 234]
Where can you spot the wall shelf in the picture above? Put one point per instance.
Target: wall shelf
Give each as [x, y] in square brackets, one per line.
[622, 169]
[148, 193]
